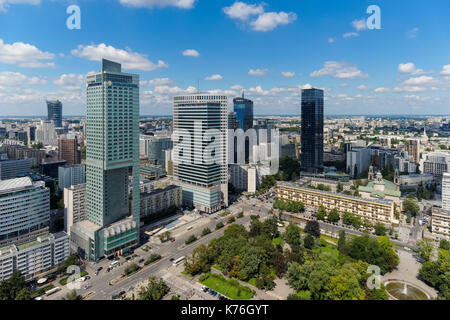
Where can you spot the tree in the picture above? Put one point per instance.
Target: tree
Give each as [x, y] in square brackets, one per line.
[342, 245]
[72, 295]
[270, 228]
[309, 241]
[410, 207]
[206, 231]
[313, 228]
[321, 213]
[10, 289]
[155, 290]
[219, 225]
[200, 262]
[333, 216]
[380, 229]
[347, 218]
[444, 244]
[292, 234]
[356, 222]
[345, 285]
[436, 274]
[279, 262]
[23, 294]
[425, 249]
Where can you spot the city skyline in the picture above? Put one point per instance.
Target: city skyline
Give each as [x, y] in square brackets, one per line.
[362, 70]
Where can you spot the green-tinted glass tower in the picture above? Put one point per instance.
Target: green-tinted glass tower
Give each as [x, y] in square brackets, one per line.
[112, 163]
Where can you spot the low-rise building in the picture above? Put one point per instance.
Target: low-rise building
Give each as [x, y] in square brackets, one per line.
[440, 224]
[10, 169]
[374, 210]
[34, 257]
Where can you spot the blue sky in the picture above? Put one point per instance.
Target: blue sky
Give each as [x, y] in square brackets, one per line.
[269, 49]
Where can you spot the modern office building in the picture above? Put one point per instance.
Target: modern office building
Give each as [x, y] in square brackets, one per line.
[381, 210]
[71, 176]
[446, 191]
[68, 150]
[46, 133]
[200, 125]
[54, 110]
[358, 160]
[154, 148]
[51, 169]
[413, 149]
[31, 135]
[24, 210]
[112, 154]
[312, 130]
[74, 205]
[436, 163]
[244, 112]
[10, 169]
[233, 123]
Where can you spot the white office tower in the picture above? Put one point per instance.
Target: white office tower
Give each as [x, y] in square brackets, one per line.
[446, 191]
[74, 205]
[200, 124]
[46, 133]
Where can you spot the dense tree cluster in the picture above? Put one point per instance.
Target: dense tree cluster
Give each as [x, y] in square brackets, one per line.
[289, 206]
[155, 290]
[14, 288]
[437, 274]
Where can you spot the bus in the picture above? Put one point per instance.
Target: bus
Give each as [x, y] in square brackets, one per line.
[52, 291]
[178, 261]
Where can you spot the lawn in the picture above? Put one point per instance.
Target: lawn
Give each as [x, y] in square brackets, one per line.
[279, 241]
[229, 288]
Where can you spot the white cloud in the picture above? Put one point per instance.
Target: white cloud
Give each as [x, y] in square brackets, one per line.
[128, 59]
[350, 34]
[362, 87]
[359, 24]
[343, 85]
[10, 79]
[214, 77]
[419, 80]
[4, 4]
[191, 53]
[288, 74]
[381, 90]
[446, 69]
[409, 89]
[331, 40]
[24, 55]
[237, 87]
[156, 82]
[270, 20]
[182, 4]
[258, 72]
[340, 70]
[242, 11]
[70, 81]
[265, 21]
[409, 67]
[413, 33]
[174, 90]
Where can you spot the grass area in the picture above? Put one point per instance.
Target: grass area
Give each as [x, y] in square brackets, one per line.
[217, 267]
[252, 281]
[230, 288]
[279, 241]
[131, 269]
[146, 248]
[223, 214]
[334, 240]
[63, 282]
[329, 248]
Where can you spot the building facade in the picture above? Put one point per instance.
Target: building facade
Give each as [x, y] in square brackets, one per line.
[74, 205]
[71, 176]
[446, 191]
[312, 130]
[160, 200]
[200, 125]
[68, 150]
[10, 169]
[112, 154]
[373, 210]
[24, 210]
[54, 111]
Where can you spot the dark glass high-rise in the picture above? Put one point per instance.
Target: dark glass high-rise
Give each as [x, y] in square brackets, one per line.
[312, 130]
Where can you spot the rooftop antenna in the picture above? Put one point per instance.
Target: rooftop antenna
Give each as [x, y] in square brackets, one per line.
[242, 93]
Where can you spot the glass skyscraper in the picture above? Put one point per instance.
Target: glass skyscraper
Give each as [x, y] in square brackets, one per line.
[312, 130]
[112, 155]
[244, 112]
[54, 110]
[204, 185]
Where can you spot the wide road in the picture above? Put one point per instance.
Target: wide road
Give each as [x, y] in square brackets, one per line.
[100, 285]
